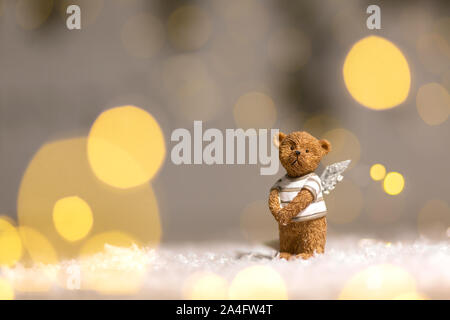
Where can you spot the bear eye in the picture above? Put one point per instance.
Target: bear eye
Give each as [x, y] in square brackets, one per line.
[292, 147]
[306, 150]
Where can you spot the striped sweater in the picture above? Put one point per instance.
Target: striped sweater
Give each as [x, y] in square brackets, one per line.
[288, 188]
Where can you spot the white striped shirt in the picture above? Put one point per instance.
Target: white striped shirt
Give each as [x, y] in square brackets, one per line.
[288, 188]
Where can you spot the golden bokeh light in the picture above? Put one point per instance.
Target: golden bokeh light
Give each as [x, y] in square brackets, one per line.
[116, 270]
[288, 49]
[191, 90]
[73, 218]
[344, 145]
[99, 242]
[36, 279]
[205, 286]
[37, 245]
[257, 223]
[377, 172]
[189, 27]
[31, 14]
[433, 103]
[61, 169]
[343, 210]
[258, 282]
[90, 9]
[411, 296]
[143, 36]
[376, 73]
[433, 220]
[125, 147]
[255, 110]
[383, 281]
[6, 290]
[393, 183]
[11, 248]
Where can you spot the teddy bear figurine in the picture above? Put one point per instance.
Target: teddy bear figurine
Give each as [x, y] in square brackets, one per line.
[296, 200]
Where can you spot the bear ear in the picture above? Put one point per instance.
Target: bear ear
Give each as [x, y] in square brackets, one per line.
[278, 138]
[325, 145]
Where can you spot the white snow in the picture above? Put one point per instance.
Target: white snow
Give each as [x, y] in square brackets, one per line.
[163, 272]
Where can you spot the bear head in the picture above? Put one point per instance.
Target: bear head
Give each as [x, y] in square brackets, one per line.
[300, 153]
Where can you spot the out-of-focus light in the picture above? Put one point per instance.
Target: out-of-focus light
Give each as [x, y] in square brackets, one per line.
[115, 270]
[433, 103]
[205, 286]
[125, 147]
[257, 223]
[433, 221]
[393, 183]
[378, 282]
[411, 296]
[73, 218]
[143, 36]
[98, 243]
[258, 283]
[377, 172]
[344, 145]
[38, 278]
[376, 73]
[6, 290]
[31, 14]
[61, 169]
[90, 9]
[288, 49]
[189, 28]
[38, 246]
[346, 202]
[11, 248]
[255, 110]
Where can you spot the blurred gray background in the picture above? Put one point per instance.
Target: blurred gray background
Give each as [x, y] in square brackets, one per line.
[55, 82]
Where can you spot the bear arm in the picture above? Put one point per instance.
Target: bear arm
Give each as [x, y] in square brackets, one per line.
[303, 199]
[274, 203]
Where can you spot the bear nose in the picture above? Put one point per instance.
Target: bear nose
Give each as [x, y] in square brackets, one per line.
[297, 152]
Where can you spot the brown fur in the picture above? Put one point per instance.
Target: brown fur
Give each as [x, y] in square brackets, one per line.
[299, 239]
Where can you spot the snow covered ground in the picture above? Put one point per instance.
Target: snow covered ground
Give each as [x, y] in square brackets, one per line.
[350, 268]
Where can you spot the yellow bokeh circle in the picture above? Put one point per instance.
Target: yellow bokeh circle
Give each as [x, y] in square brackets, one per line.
[38, 246]
[377, 172]
[6, 290]
[383, 281]
[393, 183]
[256, 283]
[73, 218]
[376, 73]
[125, 147]
[11, 248]
[205, 286]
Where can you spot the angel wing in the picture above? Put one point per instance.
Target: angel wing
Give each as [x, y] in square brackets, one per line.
[333, 174]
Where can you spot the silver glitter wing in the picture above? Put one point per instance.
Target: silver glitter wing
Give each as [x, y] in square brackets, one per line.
[333, 174]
